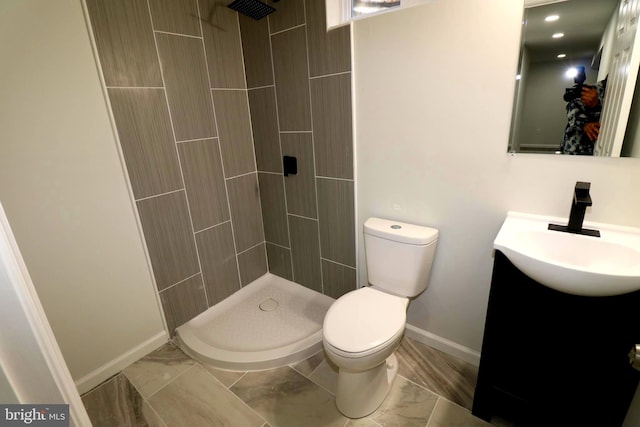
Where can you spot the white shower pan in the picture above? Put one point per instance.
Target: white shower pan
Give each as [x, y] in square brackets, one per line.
[269, 323]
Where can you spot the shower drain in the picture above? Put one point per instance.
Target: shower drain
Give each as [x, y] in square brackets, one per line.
[268, 305]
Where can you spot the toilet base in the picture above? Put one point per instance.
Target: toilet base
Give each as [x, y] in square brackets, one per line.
[360, 393]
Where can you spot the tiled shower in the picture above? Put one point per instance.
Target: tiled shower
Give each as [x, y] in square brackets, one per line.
[206, 103]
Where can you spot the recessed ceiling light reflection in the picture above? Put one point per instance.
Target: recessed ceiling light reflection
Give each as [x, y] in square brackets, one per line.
[562, 55]
[558, 35]
[518, 76]
[551, 18]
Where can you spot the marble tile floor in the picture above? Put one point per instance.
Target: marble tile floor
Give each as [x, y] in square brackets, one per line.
[167, 388]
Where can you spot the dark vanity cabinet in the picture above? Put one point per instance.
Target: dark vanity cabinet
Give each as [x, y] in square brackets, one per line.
[554, 359]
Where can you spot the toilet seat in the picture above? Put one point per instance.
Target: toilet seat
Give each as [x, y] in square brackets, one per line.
[364, 321]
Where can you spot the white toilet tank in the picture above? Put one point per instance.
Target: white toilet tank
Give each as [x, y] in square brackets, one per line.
[399, 255]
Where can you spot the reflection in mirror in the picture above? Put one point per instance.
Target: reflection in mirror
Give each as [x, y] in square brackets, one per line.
[363, 7]
[576, 78]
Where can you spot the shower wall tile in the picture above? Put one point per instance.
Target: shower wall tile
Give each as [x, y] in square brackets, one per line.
[337, 220]
[305, 252]
[256, 48]
[234, 125]
[332, 129]
[167, 231]
[175, 16]
[300, 188]
[264, 121]
[219, 264]
[144, 129]
[292, 79]
[124, 38]
[337, 279]
[253, 264]
[288, 14]
[279, 261]
[183, 302]
[221, 34]
[187, 86]
[274, 209]
[246, 214]
[204, 181]
[329, 51]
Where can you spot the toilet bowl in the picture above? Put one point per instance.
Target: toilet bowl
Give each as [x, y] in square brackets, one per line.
[363, 328]
[361, 331]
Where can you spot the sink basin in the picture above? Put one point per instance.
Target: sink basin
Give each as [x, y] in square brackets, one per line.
[572, 263]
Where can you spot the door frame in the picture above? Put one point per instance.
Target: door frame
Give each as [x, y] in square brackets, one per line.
[29, 353]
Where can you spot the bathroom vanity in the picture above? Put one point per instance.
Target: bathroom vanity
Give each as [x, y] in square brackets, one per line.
[550, 358]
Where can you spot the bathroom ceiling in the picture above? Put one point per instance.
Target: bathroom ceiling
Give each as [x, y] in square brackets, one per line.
[581, 21]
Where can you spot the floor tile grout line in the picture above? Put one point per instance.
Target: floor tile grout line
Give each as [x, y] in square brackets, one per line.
[312, 381]
[171, 381]
[156, 412]
[322, 387]
[433, 411]
[108, 380]
[235, 395]
[132, 383]
[419, 385]
[313, 371]
[236, 381]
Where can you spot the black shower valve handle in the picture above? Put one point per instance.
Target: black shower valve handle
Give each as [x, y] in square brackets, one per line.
[289, 165]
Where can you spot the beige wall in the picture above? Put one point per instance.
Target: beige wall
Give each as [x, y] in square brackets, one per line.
[434, 92]
[64, 191]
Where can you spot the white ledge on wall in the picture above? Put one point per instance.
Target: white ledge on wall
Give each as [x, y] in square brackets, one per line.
[339, 11]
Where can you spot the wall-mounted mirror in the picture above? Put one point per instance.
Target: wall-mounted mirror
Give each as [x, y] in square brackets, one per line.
[363, 7]
[576, 79]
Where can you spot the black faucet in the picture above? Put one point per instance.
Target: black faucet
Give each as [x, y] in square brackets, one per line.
[581, 199]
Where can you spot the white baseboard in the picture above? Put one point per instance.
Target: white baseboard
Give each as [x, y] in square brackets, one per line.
[443, 344]
[116, 365]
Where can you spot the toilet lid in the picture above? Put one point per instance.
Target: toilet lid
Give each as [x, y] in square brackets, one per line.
[364, 319]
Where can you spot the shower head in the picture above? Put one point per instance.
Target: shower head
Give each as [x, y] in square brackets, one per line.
[252, 8]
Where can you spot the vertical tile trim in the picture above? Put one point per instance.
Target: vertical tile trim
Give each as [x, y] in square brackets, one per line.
[355, 151]
[175, 146]
[275, 94]
[313, 141]
[226, 188]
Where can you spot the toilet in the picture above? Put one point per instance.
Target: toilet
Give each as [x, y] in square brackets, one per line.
[363, 328]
